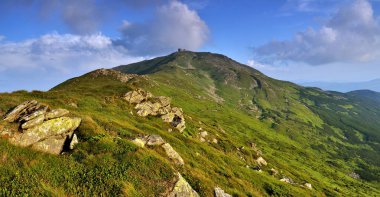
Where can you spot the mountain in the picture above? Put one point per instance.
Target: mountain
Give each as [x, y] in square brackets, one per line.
[194, 123]
[373, 85]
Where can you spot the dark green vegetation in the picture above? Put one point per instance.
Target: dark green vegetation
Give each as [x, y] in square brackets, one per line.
[306, 134]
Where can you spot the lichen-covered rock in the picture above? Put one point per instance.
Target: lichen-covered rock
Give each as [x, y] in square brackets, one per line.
[220, 193]
[137, 96]
[42, 129]
[33, 122]
[175, 118]
[182, 189]
[56, 113]
[49, 128]
[140, 142]
[261, 161]
[147, 108]
[172, 154]
[20, 110]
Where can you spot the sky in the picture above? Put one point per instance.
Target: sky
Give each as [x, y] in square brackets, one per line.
[45, 42]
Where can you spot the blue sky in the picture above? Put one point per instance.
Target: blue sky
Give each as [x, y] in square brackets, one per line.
[44, 42]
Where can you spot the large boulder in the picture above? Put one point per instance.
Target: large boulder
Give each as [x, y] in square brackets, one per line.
[182, 189]
[55, 127]
[42, 129]
[220, 193]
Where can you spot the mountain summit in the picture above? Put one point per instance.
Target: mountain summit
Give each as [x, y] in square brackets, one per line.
[198, 124]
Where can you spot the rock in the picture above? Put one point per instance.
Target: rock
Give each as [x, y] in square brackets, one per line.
[257, 168]
[261, 161]
[354, 175]
[53, 145]
[137, 96]
[147, 108]
[140, 142]
[154, 140]
[273, 172]
[74, 141]
[122, 77]
[72, 104]
[287, 180]
[220, 193]
[147, 105]
[203, 134]
[308, 185]
[56, 113]
[215, 141]
[172, 154]
[42, 129]
[33, 122]
[182, 189]
[35, 114]
[20, 110]
[54, 127]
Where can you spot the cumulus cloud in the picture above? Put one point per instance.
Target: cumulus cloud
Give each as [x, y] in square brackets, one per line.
[174, 26]
[57, 57]
[352, 34]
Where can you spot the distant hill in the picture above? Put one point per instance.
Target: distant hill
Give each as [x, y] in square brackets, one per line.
[220, 124]
[373, 85]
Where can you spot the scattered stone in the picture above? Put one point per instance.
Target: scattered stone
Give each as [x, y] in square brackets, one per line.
[172, 154]
[354, 175]
[273, 172]
[72, 104]
[261, 161]
[287, 180]
[220, 193]
[182, 189]
[308, 185]
[215, 141]
[43, 129]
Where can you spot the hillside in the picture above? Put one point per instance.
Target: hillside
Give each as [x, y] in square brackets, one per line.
[246, 133]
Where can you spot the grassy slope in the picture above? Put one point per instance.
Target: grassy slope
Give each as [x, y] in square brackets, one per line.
[306, 134]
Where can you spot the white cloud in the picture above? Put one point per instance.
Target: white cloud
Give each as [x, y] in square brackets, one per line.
[60, 56]
[352, 34]
[174, 26]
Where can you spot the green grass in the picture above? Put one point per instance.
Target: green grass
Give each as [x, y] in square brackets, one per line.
[298, 130]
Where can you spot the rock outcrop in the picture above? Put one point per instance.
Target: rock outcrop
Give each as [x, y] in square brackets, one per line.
[220, 193]
[148, 105]
[122, 77]
[182, 189]
[156, 140]
[41, 128]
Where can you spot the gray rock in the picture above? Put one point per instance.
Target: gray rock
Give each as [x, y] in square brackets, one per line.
[33, 122]
[182, 189]
[20, 110]
[137, 96]
[220, 193]
[172, 154]
[154, 140]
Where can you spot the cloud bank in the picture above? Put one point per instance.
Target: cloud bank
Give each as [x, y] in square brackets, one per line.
[53, 58]
[352, 34]
[174, 26]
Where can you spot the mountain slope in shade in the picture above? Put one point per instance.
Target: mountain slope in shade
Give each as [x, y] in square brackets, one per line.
[237, 120]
